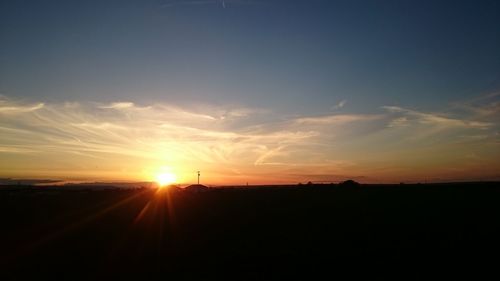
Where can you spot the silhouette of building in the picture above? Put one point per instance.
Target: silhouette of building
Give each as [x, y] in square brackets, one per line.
[349, 183]
[196, 188]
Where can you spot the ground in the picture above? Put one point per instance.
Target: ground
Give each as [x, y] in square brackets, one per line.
[446, 231]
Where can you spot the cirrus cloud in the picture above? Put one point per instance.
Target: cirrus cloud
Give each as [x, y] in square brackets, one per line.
[122, 139]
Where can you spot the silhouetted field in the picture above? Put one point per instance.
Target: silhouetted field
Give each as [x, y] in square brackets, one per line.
[441, 231]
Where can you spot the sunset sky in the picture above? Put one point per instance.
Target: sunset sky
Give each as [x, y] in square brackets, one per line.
[250, 91]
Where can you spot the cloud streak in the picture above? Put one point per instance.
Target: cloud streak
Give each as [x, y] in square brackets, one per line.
[16, 109]
[127, 140]
[339, 119]
[435, 119]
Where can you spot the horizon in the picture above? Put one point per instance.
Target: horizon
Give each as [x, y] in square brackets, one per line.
[250, 91]
[155, 184]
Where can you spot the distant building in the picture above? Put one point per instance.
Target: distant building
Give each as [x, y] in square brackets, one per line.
[196, 188]
[349, 183]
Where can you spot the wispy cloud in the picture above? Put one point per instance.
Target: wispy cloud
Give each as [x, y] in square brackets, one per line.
[151, 133]
[16, 108]
[485, 106]
[338, 119]
[125, 139]
[118, 105]
[339, 105]
[434, 119]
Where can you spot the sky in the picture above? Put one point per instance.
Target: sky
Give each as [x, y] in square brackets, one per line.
[250, 91]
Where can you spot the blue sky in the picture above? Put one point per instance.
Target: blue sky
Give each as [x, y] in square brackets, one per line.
[293, 54]
[275, 61]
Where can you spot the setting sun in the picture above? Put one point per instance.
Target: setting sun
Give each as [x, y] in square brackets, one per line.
[164, 179]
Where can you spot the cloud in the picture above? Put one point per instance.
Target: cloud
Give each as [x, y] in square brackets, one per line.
[268, 154]
[339, 105]
[399, 122]
[120, 138]
[433, 119]
[151, 132]
[14, 149]
[122, 134]
[118, 105]
[487, 106]
[338, 119]
[15, 109]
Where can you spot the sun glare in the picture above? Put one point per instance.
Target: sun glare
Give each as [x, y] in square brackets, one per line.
[165, 179]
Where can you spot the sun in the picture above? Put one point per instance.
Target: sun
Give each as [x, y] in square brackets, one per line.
[165, 179]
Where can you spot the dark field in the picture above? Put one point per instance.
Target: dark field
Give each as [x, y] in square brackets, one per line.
[447, 231]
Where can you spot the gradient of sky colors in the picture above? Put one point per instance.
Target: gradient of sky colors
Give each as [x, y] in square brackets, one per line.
[250, 91]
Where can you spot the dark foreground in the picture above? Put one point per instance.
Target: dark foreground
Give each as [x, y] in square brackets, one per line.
[309, 233]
